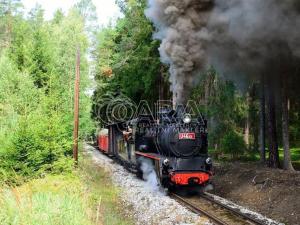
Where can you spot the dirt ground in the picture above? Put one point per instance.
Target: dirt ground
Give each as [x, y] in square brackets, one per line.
[273, 193]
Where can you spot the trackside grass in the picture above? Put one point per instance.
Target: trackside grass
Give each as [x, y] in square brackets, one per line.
[52, 200]
[85, 197]
[104, 196]
[254, 156]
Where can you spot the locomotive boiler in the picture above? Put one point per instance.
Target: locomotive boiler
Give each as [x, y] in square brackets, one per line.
[174, 142]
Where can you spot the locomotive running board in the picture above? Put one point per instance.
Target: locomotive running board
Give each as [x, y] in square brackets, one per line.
[149, 155]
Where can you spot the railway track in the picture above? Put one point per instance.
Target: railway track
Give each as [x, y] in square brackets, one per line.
[216, 211]
[204, 204]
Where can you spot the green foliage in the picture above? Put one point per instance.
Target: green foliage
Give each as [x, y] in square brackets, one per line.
[39, 143]
[37, 70]
[128, 57]
[9, 6]
[222, 104]
[295, 127]
[88, 11]
[233, 144]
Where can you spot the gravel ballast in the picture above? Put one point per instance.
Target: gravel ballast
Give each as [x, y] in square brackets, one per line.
[146, 205]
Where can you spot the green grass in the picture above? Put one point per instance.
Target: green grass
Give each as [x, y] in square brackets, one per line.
[86, 197]
[105, 196]
[295, 156]
[53, 200]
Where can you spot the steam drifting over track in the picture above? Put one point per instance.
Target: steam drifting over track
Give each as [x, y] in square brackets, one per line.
[145, 205]
[150, 206]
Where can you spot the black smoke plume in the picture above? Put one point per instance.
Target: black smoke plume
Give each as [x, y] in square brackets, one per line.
[243, 39]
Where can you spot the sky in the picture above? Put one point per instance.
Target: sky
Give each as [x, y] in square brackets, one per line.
[106, 9]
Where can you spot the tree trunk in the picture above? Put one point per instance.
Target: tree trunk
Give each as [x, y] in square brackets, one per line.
[262, 125]
[247, 124]
[272, 130]
[287, 164]
[247, 132]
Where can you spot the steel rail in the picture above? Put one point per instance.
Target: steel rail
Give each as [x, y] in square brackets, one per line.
[234, 211]
[197, 209]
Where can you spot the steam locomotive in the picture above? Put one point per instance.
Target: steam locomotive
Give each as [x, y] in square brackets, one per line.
[174, 143]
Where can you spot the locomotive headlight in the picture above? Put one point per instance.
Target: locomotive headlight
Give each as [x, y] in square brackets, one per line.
[187, 118]
[208, 161]
[166, 162]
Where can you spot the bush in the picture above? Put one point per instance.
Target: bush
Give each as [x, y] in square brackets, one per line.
[233, 144]
[38, 148]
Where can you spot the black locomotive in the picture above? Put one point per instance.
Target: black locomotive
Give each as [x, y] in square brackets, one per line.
[174, 143]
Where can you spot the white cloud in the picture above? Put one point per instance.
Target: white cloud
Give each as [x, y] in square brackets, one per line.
[106, 9]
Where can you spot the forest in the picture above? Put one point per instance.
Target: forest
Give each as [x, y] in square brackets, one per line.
[37, 64]
[252, 106]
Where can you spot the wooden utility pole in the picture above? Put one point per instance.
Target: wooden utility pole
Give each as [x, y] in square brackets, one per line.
[76, 107]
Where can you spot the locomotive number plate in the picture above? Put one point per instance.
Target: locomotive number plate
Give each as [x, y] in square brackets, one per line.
[187, 136]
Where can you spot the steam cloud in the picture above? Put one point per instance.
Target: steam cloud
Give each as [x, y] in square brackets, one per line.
[149, 175]
[241, 38]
